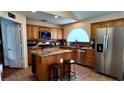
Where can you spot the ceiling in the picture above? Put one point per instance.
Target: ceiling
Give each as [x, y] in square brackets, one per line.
[64, 17]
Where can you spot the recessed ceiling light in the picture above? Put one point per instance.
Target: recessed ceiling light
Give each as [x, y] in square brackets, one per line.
[55, 16]
[34, 11]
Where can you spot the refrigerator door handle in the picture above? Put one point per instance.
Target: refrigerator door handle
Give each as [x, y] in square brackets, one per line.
[123, 55]
[104, 45]
[107, 41]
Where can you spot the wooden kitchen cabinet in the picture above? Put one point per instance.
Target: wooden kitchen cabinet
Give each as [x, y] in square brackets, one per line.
[103, 24]
[60, 33]
[85, 57]
[32, 32]
[29, 32]
[90, 58]
[54, 33]
[42, 28]
[35, 30]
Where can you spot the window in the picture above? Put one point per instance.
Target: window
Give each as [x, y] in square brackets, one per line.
[78, 35]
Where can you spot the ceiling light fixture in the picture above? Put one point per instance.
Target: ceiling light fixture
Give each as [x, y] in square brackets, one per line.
[55, 16]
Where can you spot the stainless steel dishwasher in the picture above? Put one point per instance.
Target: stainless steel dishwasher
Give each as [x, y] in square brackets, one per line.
[81, 56]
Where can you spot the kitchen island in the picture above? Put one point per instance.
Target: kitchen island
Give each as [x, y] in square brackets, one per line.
[42, 59]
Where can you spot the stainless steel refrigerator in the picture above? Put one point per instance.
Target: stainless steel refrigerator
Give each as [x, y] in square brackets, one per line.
[109, 47]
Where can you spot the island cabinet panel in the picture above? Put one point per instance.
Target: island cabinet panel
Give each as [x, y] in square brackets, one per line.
[42, 65]
[30, 54]
[46, 61]
[38, 68]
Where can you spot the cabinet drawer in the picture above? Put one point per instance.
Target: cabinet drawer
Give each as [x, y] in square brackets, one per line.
[90, 57]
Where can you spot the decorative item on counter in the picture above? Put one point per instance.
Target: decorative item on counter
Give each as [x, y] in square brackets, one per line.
[61, 60]
[72, 61]
[92, 44]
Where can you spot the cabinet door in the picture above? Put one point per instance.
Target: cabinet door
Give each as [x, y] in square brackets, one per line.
[118, 22]
[42, 28]
[29, 32]
[47, 29]
[35, 32]
[60, 34]
[93, 30]
[90, 58]
[53, 33]
[38, 67]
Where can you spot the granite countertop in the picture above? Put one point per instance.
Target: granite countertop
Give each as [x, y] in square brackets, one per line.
[74, 47]
[50, 52]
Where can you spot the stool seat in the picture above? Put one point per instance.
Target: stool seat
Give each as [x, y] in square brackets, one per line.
[69, 73]
[55, 65]
[69, 62]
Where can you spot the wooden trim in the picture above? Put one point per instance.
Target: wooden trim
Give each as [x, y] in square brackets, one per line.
[43, 26]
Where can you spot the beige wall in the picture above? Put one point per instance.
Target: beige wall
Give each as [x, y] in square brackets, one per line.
[42, 23]
[22, 20]
[86, 24]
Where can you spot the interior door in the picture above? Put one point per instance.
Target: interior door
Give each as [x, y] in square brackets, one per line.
[12, 44]
[4, 27]
[18, 46]
[100, 50]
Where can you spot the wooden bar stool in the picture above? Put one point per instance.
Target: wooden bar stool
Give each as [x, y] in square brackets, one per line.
[55, 70]
[69, 73]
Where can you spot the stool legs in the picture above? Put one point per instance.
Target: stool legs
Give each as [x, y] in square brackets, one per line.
[69, 71]
[55, 74]
[74, 70]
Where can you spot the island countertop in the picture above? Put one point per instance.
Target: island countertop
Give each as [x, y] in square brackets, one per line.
[50, 52]
[41, 60]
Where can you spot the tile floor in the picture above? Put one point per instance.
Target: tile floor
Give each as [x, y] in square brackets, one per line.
[82, 73]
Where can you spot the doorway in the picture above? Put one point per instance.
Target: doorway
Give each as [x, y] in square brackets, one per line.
[12, 43]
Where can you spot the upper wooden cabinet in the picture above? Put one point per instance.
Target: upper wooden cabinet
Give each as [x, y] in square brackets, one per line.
[60, 34]
[54, 33]
[32, 32]
[110, 23]
[42, 28]
[35, 32]
[29, 32]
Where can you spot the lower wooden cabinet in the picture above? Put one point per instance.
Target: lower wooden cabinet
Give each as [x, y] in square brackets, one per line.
[84, 57]
[90, 58]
